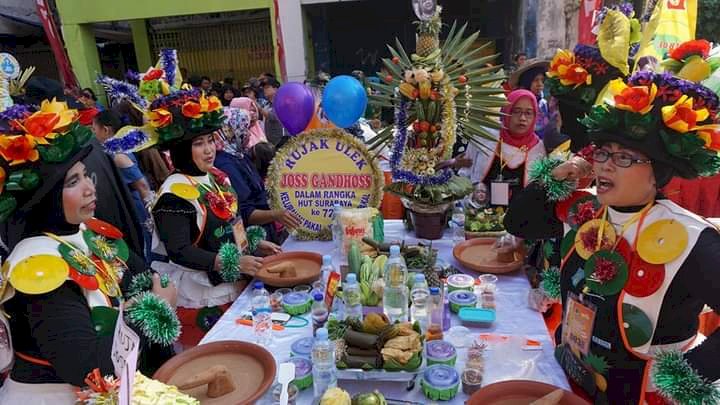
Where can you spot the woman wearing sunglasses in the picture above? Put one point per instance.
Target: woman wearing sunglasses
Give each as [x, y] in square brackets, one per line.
[636, 268]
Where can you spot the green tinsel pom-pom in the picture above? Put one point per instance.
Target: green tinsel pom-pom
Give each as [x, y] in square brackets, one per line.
[229, 260]
[143, 282]
[541, 171]
[255, 235]
[677, 380]
[155, 318]
[551, 282]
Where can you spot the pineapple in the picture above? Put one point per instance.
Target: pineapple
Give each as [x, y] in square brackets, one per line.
[428, 35]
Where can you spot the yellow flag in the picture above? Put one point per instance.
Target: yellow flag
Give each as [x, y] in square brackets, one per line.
[672, 22]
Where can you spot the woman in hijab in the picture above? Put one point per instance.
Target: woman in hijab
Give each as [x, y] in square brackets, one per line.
[68, 273]
[255, 133]
[503, 167]
[232, 158]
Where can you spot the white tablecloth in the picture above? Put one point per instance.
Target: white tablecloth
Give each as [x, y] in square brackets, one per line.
[506, 362]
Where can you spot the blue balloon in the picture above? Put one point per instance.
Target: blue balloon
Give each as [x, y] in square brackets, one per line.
[344, 100]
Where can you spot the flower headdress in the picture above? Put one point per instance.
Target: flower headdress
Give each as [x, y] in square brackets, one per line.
[672, 120]
[30, 139]
[696, 61]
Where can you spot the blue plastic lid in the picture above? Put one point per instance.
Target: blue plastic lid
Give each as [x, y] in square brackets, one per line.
[259, 285]
[351, 278]
[327, 260]
[321, 334]
[477, 315]
[419, 277]
[434, 291]
[394, 251]
[302, 347]
[318, 297]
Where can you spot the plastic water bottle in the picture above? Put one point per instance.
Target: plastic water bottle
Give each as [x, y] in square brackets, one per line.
[457, 223]
[326, 269]
[420, 296]
[395, 293]
[319, 312]
[323, 363]
[352, 297]
[261, 314]
[338, 305]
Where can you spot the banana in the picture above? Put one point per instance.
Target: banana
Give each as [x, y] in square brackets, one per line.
[425, 89]
[432, 110]
[407, 90]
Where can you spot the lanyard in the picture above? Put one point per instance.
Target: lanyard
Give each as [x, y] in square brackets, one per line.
[503, 162]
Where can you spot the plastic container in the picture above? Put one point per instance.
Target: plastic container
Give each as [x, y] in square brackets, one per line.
[319, 312]
[460, 282]
[261, 314]
[297, 303]
[292, 393]
[302, 347]
[395, 293]
[323, 362]
[471, 380]
[352, 298]
[440, 382]
[303, 372]
[461, 299]
[478, 316]
[440, 352]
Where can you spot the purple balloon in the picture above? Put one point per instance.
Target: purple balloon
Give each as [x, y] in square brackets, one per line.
[294, 105]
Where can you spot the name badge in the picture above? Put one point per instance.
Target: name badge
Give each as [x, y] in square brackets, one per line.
[578, 324]
[499, 193]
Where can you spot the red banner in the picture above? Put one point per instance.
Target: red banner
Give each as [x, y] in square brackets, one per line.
[279, 44]
[586, 18]
[51, 32]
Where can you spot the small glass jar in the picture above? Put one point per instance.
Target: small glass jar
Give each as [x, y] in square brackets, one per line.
[292, 394]
[276, 301]
[302, 288]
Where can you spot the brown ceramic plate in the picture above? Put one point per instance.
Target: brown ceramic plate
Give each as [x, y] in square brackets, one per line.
[307, 269]
[519, 392]
[251, 366]
[478, 254]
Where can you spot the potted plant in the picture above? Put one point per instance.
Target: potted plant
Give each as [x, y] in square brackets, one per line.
[440, 92]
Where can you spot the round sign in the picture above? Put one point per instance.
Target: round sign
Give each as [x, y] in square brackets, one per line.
[318, 169]
[9, 66]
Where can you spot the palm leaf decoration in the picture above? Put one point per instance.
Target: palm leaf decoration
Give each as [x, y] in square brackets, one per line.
[439, 92]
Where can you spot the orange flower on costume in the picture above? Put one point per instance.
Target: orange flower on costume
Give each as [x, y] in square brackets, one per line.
[682, 117]
[574, 75]
[160, 118]
[562, 57]
[637, 99]
[18, 149]
[192, 109]
[152, 74]
[711, 135]
[2, 179]
[53, 117]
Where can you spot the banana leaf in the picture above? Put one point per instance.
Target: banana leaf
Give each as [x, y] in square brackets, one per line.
[404, 63]
[385, 89]
[468, 56]
[470, 64]
[401, 51]
[395, 69]
[451, 43]
[463, 46]
[412, 364]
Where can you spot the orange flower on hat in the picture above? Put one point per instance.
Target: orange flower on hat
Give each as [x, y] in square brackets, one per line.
[209, 104]
[53, 117]
[153, 74]
[682, 117]
[563, 57]
[3, 177]
[711, 135]
[192, 109]
[574, 75]
[18, 149]
[160, 118]
[637, 99]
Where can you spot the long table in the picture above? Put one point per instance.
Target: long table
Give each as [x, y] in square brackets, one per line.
[506, 361]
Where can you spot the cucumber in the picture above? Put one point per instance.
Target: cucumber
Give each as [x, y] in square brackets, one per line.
[354, 258]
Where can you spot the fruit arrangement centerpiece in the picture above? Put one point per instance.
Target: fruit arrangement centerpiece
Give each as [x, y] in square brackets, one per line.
[438, 93]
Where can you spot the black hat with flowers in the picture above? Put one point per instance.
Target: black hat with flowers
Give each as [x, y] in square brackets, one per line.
[37, 148]
[577, 78]
[669, 119]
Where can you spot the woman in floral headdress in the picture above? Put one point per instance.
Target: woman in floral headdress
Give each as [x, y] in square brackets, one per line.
[637, 269]
[64, 279]
[196, 213]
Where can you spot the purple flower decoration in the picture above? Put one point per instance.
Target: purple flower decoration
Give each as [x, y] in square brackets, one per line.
[625, 8]
[15, 112]
[130, 141]
[168, 61]
[118, 91]
[132, 76]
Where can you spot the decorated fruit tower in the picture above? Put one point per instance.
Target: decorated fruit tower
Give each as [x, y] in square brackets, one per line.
[440, 92]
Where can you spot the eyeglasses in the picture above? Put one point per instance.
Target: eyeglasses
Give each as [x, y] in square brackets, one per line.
[521, 113]
[620, 159]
